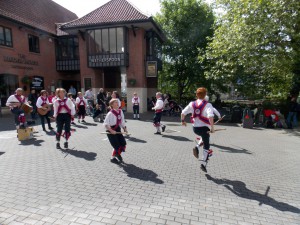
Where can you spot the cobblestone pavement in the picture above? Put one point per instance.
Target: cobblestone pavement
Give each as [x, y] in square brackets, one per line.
[253, 177]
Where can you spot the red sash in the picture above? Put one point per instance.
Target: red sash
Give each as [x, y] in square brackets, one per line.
[118, 115]
[44, 101]
[136, 102]
[18, 97]
[63, 104]
[198, 112]
[81, 101]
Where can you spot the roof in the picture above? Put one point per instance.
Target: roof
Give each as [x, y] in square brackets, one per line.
[40, 14]
[114, 11]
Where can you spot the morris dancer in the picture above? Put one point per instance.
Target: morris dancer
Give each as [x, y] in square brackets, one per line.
[203, 123]
[64, 110]
[81, 104]
[40, 103]
[113, 123]
[136, 106]
[70, 96]
[15, 102]
[158, 111]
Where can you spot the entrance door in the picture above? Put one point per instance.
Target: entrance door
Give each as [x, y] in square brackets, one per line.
[112, 78]
[8, 84]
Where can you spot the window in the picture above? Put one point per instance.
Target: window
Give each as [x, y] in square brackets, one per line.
[34, 43]
[67, 48]
[5, 36]
[106, 41]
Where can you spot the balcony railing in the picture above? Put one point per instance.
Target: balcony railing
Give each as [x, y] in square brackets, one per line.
[68, 65]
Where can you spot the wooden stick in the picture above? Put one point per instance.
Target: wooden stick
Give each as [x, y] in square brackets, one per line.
[116, 133]
[219, 119]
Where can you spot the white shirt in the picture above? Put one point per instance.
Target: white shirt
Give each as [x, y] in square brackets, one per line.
[40, 102]
[159, 104]
[111, 120]
[89, 95]
[13, 99]
[216, 112]
[78, 100]
[134, 102]
[207, 112]
[69, 103]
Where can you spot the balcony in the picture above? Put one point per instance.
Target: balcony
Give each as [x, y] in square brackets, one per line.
[68, 65]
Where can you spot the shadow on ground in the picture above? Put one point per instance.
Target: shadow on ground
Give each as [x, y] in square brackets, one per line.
[239, 188]
[176, 138]
[136, 140]
[231, 150]
[139, 173]
[89, 156]
[33, 141]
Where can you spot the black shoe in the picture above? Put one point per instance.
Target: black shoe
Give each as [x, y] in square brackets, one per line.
[44, 129]
[158, 133]
[58, 145]
[66, 144]
[83, 121]
[119, 157]
[73, 123]
[22, 126]
[114, 160]
[203, 168]
[50, 128]
[163, 128]
[196, 152]
[101, 121]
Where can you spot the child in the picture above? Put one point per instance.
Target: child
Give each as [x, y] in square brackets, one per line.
[70, 96]
[81, 104]
[43, 101]
[136, 106]
[113, 123]
[64, 110]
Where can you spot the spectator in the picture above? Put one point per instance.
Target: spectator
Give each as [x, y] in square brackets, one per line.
[101, 98]
[72, 90]
[291, 120]
[32, 99]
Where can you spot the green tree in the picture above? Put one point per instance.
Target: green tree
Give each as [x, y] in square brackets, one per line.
[187, 24]
[256, 46]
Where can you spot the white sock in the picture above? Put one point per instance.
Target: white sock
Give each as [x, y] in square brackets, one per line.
[138, 116]
[134, 116]
[204, 156]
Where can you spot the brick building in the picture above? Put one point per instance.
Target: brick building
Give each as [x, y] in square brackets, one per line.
[45, 46]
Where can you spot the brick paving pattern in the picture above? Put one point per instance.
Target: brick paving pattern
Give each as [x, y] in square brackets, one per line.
[253, 177]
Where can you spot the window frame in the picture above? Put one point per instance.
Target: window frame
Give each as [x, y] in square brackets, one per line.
[38, 39]
[5, 38]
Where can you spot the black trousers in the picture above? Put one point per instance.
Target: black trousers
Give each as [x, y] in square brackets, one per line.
[17, 111]
[157, 118]
[136, 109]
[203, 133]
[63, 119]
[43, 120]
[116, 140]
[81, 111]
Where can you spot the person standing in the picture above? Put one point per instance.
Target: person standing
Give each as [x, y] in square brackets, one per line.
[72, 90]
[81, 104]
[113, 123]
[291, 120]
[158, 112]
[41, 103]
[70, 96]
[89, 96]
[14, 102]
[136, 106]
[64, 110]
[32, 100]
[203, 123]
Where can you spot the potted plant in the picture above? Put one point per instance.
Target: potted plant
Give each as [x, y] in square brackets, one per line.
[26, 79]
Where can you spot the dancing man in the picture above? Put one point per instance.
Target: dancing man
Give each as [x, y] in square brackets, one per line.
[64, 110]
[113, 123]
[158, 111]
[203, 123]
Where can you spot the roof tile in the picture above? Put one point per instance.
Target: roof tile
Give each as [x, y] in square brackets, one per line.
[40, 14]
[112, 12]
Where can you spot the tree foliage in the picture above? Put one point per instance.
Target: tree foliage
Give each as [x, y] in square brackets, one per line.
[187, 24]
[256, 45]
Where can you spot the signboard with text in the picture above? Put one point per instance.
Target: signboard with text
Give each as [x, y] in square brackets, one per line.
[151, 69]
[37, 83]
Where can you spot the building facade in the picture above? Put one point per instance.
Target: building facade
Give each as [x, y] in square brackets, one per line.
[115, 47]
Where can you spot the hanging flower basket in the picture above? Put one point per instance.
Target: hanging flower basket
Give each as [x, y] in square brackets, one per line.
[26, 80]
[132, 82]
